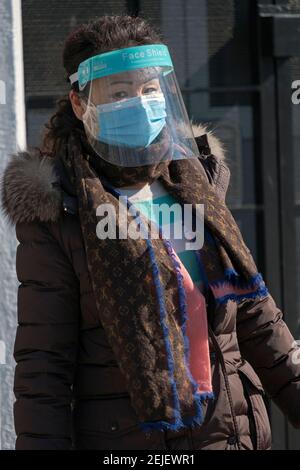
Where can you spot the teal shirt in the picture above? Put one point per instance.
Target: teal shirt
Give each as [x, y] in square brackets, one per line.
[146, 200]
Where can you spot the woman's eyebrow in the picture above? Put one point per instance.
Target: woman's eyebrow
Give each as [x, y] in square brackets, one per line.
[130, 82]
[122, 81]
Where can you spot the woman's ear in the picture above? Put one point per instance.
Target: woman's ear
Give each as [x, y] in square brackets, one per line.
[76, 104]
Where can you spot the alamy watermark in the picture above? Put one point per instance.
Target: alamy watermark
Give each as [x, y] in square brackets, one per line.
[170, 216]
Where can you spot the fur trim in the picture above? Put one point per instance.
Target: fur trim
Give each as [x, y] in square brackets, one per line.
[30, 187]
[215, 144]
[27, 191]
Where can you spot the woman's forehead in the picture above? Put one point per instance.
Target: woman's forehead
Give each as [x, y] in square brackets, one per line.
[134, 77]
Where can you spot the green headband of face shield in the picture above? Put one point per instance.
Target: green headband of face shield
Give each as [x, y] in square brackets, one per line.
[121, 60]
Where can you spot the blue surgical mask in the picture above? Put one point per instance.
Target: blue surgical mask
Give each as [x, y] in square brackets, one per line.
[134, 122]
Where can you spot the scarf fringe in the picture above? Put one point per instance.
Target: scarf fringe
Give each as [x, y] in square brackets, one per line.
[256, 286]
[162, 312]
[237, 281]
[182, 300]
[259, 294]
[198, 419]
[182, 423]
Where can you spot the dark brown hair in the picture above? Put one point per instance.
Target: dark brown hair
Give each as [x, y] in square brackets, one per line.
[102, 34]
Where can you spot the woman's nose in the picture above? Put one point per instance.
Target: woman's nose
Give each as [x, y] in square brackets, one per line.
[137, 91]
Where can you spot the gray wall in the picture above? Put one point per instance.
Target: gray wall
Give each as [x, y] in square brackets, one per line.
[12, 137]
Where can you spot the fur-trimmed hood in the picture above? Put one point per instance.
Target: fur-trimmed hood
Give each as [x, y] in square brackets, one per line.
[31, 187]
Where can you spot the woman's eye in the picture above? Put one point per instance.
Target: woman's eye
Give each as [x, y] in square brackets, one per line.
[150, 90]
[119, 95]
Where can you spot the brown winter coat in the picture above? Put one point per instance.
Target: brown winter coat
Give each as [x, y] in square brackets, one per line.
[69, 390]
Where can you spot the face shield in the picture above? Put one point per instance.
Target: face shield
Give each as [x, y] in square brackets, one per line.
[133, 107]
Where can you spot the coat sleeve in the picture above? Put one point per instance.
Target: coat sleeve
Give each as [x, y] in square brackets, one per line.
[268, 345]
[46, 341]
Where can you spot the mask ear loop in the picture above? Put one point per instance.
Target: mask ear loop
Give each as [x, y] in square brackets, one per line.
[89, 117]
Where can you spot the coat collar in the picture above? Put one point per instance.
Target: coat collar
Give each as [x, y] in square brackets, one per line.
[35, 187]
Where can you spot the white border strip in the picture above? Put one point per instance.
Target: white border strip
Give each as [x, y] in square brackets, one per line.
[19, 92]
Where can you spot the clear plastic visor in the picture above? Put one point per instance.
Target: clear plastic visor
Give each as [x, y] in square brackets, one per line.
[137, 117]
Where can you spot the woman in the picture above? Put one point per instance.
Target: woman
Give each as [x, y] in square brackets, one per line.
[136, 343]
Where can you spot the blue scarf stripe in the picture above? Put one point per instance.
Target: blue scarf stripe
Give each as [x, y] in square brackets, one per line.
[183, 310]
[256, 285]
[185, 423]
[180, 422]
[237, 281]
[259, 294]
[162, 310]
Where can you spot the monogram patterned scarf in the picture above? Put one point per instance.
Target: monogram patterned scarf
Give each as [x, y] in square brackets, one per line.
[139, 294]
